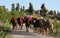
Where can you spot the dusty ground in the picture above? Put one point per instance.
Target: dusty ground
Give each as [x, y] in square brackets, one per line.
[24, 34]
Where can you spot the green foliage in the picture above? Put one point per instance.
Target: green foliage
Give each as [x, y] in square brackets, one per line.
[7, 15]
[16, 14]
[5, 30]
[54, 12]
[30, 8]
[51, 12]
[6, 25]
[26, 11]
[43, 10]
[23, 8]
[17, 7]
[56, 28]
[4, 14]
[8, 36]
[13, 7]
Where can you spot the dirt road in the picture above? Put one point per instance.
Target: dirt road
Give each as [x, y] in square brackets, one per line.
[30, 34]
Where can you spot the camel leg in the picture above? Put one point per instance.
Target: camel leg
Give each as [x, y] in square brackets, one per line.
[42, 31]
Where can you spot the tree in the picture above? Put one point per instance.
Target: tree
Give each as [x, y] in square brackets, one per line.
[51, 12]
[43, 10]
[13, 7]
[58, 13]
[23, 8]
[5, 10]
[17, 7]
[4, 13]
[54, 12]
[30, 10]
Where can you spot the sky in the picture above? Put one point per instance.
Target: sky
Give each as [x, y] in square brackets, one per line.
[49, 4]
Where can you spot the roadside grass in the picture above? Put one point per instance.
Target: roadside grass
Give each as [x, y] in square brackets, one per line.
[56, 29]
[5, 30]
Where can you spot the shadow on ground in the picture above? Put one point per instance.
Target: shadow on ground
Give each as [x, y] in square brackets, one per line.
[21, 33]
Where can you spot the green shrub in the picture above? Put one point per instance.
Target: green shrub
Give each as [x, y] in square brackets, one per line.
[16, 14]
[5, 30]
[56, 28]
